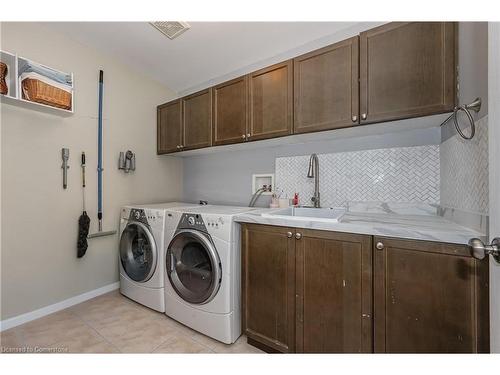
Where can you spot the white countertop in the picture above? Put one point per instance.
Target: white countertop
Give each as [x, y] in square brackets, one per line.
[419, 223]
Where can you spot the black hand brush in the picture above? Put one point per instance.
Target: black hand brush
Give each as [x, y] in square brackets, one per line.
[83, 221]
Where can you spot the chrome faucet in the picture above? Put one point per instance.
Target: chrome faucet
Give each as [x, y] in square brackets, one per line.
[313, 172]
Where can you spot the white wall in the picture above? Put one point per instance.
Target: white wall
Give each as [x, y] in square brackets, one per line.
[464, 163]
[494, 153]
[39, 219]
[473, 63]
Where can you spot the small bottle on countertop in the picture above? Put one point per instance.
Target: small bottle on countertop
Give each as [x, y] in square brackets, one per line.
[274, 201]
[295, 200]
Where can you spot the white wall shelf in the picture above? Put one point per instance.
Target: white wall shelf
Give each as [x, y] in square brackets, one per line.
[14, 95]
[10, 60]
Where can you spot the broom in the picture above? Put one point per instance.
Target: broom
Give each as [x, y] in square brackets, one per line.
[83, 221]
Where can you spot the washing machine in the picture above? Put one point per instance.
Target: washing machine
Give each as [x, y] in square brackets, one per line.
[202, 271]
[142, 253]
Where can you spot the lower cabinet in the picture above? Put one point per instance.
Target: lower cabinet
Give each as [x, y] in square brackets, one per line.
[268, 284]
[333, 292]
[310, 291]
[306, 291]
[429, 298]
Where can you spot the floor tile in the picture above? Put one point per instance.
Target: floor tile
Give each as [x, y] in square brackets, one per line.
[11, 340]
[113, 323]
[240, 346]
[113, 310]
[181, 328]
[86, 342]
[138, 334]
[182, 344]
[51, 329]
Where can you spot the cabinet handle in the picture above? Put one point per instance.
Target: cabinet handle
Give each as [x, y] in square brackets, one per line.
[298, 236]
[289, 234]
[380, 246]
[363, 116]
[354, 118]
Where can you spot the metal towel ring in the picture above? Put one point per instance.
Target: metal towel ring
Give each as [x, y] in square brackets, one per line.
[476, 107]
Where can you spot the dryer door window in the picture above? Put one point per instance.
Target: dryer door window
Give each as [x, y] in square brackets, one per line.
[193, 267]
[138, 254]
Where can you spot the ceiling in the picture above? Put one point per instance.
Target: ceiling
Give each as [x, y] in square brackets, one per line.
[205, 52]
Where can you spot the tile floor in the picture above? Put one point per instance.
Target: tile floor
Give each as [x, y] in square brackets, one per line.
[112, 323]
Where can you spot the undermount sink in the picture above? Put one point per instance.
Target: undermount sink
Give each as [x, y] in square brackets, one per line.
[309, 213]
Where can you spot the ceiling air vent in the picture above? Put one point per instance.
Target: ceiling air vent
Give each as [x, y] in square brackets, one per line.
[172, 29]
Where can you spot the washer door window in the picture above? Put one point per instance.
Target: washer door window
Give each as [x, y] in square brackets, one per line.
[193, 267]
[138, 253]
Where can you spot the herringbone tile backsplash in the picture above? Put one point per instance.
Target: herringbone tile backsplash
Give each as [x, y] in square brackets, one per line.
[403, 174]
[453, 174]
[464, 171]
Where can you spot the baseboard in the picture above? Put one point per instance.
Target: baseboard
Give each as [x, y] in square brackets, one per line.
[28, 317]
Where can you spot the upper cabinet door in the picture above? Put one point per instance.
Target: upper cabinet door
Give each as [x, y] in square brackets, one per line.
[230, 111]
[169, 135]
[271, 96]
[326, 87]
[197, 120]
[407, 70]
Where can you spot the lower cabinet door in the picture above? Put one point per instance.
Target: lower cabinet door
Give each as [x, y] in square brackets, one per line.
[333, 292]
[429, 298]
[268, 286]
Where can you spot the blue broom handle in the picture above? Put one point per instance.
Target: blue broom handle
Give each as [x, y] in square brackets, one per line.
[99, 150]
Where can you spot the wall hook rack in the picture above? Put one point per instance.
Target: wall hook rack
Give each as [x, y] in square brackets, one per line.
[65, 166]
[126, 161]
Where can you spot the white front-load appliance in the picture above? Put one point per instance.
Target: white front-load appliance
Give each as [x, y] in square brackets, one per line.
[202, 278]
[142, 253]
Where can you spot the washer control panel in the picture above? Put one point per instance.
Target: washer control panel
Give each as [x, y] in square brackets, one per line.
[192, 221]
[215, 222]
[145, 217]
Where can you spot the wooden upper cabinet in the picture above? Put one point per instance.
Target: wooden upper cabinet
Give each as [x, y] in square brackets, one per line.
[230, 111]
[271, 101]
[334, 292]
[197, 120]
[268, 286]
[395, 71]
[407, 70]
[429, 298]
[326, 87]
[169, 124]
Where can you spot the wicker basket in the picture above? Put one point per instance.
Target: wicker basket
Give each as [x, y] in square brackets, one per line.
[40, 92]
[4, 89]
